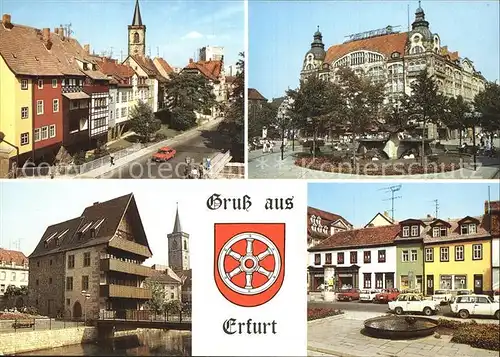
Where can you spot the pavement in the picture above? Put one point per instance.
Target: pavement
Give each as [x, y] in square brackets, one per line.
[341, 336]
[195, 143]
[270, 166]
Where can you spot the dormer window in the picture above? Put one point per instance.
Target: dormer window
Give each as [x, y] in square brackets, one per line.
[85, 67]
[469, 228]
[414, 231]
[92, 233]
[439, 231]
[58, 242]
[406, 231]
[45, 244]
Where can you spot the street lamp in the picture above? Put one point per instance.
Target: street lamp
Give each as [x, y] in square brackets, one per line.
[281, 121]
[474, 119]
[86, 297]
[2, 140]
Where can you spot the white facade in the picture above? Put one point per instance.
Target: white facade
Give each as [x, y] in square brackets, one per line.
[495, 263]
[211, 53]
[12, 274]
[380, 275]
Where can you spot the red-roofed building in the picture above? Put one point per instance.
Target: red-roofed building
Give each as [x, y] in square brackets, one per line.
[398, 57]
[13, 269]
[322, 224]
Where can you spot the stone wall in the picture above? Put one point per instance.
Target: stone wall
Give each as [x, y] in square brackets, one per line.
[27, 341]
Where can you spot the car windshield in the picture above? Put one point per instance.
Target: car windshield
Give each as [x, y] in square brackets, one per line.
[490, 299]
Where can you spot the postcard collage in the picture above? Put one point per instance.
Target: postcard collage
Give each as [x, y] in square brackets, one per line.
[250, 178]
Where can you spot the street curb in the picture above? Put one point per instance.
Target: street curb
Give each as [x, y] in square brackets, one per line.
[147, 151]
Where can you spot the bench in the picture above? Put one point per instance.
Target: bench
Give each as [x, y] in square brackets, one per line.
[26, 323]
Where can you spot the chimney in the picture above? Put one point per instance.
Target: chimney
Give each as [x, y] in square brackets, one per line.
[46, 38]
[6, 20]
[61, 32]
[86, 48]
[56, 30]
[190, 60]
[386, 214]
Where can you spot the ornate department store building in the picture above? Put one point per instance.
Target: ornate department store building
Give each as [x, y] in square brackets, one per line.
[397, 58]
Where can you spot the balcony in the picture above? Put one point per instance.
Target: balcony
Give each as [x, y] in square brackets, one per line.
[129, 246]
[110, 264]
[122, 291]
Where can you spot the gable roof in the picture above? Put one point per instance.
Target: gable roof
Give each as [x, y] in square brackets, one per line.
[388, 219]
[254, 94]
[386, 45]
[324, 215]
[164, 65]
[103, 217]
[148, 66]
[363, 237]
[164, 276]
[437, 221]
[15, 256]
[210, 69]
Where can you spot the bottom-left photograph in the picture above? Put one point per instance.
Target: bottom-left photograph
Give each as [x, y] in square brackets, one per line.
[94, 268]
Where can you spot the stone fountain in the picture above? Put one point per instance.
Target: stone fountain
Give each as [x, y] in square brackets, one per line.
[400, 327]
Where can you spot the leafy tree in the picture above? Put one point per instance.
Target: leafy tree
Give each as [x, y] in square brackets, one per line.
[173, 307]
[454, 114]
[158, 300]
[264, 117]
[143, 122]
[426, 102]
[182, 118]
[487, 103]
[396, 116]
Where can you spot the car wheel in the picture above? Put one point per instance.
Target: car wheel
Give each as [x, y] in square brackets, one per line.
[427, 311]
[497, 315]
[398, 310]
[463, 314]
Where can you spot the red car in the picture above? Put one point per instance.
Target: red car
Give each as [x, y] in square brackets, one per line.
[164, 154]
[387, 295]
[348, 295]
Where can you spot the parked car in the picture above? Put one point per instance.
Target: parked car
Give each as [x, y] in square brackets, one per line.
[413, 303]
[164, 154]
[368, 295]
[348, 295]
[387, 295]
[483, 305]
[443, 296]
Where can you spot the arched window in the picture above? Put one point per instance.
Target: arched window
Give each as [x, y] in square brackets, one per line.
[376, 74]
[185, 245]
[309, 67]
[136, 37]
[417, 49]
[313, 219]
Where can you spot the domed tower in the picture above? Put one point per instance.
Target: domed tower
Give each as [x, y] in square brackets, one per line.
[420, 38]
[315, 56]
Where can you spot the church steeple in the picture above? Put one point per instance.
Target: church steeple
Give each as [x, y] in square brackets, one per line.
[177, 222]
[137, 34]
[178, 246]
[137, 20]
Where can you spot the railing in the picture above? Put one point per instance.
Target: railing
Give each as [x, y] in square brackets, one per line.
[147, 315]
[34, 324]
[129, 246]
[123, 291]
[110, 264]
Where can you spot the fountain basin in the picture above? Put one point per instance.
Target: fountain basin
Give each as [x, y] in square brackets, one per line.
[400, 327]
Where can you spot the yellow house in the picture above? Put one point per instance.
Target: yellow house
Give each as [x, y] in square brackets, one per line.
[457, 255]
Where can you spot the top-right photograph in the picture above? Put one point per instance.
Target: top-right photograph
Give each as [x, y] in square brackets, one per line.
[374, 90]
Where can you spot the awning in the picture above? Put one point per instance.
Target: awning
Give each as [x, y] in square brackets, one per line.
[76, 95]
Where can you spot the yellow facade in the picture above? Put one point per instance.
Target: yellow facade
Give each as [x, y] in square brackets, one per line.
[12, 99]
[442, 270]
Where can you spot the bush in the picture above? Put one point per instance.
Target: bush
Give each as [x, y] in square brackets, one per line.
[160, 137]
[320, 313]
[486, 336]
[31, 310]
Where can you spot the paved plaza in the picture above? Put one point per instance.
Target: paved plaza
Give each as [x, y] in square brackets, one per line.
[341, 336]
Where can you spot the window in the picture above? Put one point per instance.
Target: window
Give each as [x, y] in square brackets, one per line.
[482, 300]
[429, 254]
[110, 114]
[404, 282]
[379, 281]
[50, 262]
[52, 131]
[13, 276]
[73, 105]
[54, 83]
[406, 231]
[2, 275]
[80, 82]
[445, 282]
[414, 231]
[39, 107]
[340, 258]
[50, 280]
[24, 112]
[444, 254]
[38, 264]
[55, 105]
[69, 283]
[405, 256]
[317, 259]
[40, 84]
[25, 138]
[367, 280]
[477, 251]
[123, 112]
[367, 257]
[414, 255]
[85, 282]
[472, 228]
[45, 133]
[354, 257]
[381, 256]
[460, 282]
[86, 259]
[24, 84]
[459, 253]
[71, 261]
[328, 258]
[68, 302]
[468, 228]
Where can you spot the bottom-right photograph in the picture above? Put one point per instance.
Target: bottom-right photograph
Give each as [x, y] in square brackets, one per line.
[403, 269]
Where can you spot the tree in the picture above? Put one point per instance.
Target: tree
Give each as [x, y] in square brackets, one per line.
[173, 307]
[396, 116]
[158, 300]
[487, 103]
[264, 117]
[454, 114]
[426, 102]
[182, 118]
[143, 122]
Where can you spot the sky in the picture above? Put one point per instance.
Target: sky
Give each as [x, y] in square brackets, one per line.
[27, 208]
[280, 33]
[175, 29]
[360, 202]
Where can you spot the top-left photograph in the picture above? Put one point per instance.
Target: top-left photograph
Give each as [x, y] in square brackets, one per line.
[122, 89]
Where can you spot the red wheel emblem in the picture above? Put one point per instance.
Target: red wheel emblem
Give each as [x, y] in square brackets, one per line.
[249, 261]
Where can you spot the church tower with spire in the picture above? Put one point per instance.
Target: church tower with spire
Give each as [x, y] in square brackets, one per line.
[137, 34]
[178, 247]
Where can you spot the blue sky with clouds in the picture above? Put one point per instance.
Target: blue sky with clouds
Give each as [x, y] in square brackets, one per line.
[174, 28]
[280, 32]
[360, 202]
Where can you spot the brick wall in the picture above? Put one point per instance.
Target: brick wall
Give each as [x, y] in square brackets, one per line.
[46, 284]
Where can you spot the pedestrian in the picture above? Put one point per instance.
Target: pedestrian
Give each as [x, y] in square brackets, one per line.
[112, 160]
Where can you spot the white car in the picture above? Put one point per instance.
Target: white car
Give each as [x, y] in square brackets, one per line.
[368, 295]
[467, 305]
[413, 303]
[443, 296]
[460, 292]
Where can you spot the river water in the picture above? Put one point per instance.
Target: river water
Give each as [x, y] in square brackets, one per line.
[143, 343]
